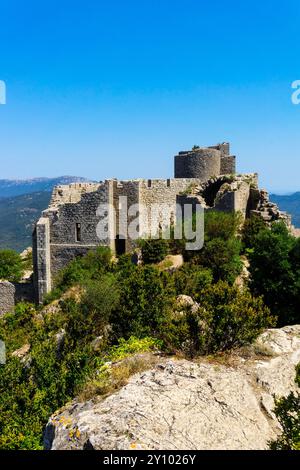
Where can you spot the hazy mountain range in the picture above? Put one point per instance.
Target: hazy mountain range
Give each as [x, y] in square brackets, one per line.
[291, 204]
[22, 201]
[11, 188]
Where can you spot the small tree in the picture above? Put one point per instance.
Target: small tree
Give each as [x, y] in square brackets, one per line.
[11, 267]
[251, 228]
[154, 250]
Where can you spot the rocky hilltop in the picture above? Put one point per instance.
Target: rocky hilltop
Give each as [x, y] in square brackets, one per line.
[179, 404]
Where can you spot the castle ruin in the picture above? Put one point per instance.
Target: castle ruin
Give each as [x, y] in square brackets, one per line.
[205, 176]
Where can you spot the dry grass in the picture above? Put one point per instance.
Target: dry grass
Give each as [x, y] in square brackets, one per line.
[115, 376]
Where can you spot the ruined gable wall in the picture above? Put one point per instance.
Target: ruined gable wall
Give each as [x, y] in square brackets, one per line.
[65, 244]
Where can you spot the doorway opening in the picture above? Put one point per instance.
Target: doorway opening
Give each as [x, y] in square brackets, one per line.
[120, 245]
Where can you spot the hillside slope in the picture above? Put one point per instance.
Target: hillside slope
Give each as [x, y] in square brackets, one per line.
[21, 203]
[289, 203]
[17, 216]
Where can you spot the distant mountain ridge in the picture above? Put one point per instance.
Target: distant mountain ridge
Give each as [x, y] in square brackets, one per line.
[21, 203]
[12, 188]
[289, 203]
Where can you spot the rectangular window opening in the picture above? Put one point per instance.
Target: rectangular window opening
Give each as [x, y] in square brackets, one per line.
[78, 232]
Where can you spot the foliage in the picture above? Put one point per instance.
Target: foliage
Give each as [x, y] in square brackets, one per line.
[132, 346]
[251, 228]
[226, 318]
[154, 250]
[191, 279]
[146, 296]
[98, 301]
[222, 257]
[11, 266]
[275, 272]
[287, 410]
[221, 250]
[222, 225]
[81, 269]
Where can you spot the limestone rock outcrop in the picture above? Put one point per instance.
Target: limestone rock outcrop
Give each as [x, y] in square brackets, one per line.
[188, 405]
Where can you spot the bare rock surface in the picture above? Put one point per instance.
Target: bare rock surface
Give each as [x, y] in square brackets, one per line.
[181, 404]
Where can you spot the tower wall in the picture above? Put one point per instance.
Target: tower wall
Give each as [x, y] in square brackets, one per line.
[228, 165]
[200, 163]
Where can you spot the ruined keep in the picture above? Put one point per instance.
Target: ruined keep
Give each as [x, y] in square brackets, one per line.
[205, 176]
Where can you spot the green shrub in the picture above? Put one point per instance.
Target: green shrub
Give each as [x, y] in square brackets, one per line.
[99, 299]
[222, 225]
[287, 410]
[275, 273]
[227, 318]
[222, 257]
[146, 296]
[191, 279]
[91, 266]
[11, 266]
[154, 250]
[251, 228]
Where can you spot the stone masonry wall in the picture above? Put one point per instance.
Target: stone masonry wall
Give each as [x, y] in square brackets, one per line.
[164, 193]
[66, 240]
[228, 165]
[7, 297]
[41, 258]
[201, 163]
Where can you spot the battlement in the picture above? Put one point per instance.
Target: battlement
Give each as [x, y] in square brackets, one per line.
[71, 193]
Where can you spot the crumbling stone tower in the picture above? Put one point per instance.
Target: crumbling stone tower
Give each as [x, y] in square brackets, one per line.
[204, 163]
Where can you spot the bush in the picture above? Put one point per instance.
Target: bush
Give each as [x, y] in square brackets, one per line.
[227, 318]
[146, 297]
[251, 228]
[154, 250]
[222, 257]
[11, 266]
[91, 266]
[287, 411]
[98, 301]
[275, 273]
[191, 279]
[222, 225]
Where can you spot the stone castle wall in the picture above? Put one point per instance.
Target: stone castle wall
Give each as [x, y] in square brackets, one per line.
[7, 297]
[12, 293]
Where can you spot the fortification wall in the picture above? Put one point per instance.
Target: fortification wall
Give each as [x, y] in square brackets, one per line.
[130, 190]
[11, 293]
[71, 193]
[7, 297]
[73, 226]
[162, 193]
[41, 258]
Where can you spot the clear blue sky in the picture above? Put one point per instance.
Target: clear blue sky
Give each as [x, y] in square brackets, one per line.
[115, 88]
